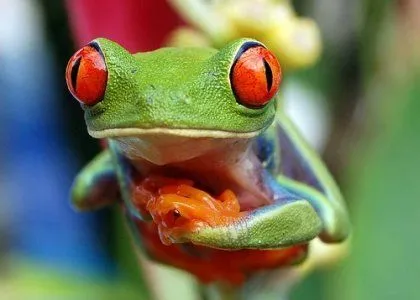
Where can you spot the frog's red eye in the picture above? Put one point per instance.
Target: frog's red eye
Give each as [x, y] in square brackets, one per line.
[86, 75]
[255, 75]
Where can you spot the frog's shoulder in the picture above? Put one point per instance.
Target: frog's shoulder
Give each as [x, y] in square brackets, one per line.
[96, 184]
[267, 148]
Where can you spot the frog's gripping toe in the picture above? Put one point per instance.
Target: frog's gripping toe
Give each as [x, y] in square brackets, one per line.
[275, 226]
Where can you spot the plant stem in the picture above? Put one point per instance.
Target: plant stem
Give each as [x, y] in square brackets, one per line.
[221, 291]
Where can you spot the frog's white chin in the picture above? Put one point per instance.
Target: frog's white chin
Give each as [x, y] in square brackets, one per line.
[163, 146]
[163, 150]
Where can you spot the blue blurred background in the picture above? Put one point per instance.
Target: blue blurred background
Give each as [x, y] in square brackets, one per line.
[359, 106]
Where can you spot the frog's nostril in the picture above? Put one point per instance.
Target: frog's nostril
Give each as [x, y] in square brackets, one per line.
[86, 75]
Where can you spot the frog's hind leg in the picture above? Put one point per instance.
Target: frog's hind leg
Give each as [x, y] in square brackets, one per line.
[96, 185]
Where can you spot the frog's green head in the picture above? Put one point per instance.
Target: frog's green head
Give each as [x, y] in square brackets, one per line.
[175, 93]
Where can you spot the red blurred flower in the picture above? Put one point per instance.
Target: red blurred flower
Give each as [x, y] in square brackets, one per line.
[138, 25]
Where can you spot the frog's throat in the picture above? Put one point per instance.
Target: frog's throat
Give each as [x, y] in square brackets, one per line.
[189, 133]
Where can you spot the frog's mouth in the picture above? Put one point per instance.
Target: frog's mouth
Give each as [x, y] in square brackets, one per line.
[174, 132]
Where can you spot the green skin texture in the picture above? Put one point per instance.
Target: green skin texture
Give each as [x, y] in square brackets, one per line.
[189, 89]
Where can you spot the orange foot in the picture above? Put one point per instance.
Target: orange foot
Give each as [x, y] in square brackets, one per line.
[177, 207]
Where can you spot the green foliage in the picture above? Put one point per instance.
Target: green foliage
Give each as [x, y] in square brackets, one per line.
[386, 211]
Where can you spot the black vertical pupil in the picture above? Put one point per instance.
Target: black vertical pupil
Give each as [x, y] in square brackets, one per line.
[74, 72]
[268, 74]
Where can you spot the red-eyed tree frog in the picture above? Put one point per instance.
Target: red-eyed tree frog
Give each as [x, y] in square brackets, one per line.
[212, 117]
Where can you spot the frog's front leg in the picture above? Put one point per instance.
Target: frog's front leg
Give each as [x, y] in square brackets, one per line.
[334, 219]
[305, 175]
[123, 173]
[290, 220]
[96, 185]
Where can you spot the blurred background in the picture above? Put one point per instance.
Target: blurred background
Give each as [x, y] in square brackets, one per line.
[352, 85]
